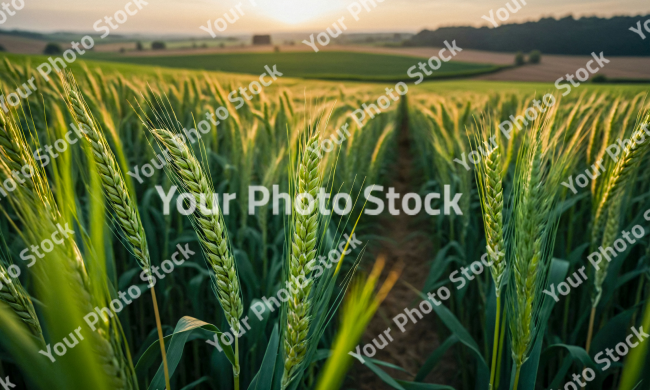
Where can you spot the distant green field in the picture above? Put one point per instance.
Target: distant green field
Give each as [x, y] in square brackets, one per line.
[323, 65]
[443, 86]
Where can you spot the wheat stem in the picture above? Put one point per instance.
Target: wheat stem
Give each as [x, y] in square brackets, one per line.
[516, 382]
[592, 318]
[502, 337]
[236, 369]
[495, 346]
[160, 337]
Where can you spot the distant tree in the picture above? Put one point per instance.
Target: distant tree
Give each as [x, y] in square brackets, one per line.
[519, 59]
[599, 78]
[138, 46]
[222, 45]
[535, 57]
[2, 48]
[205, 45]
[158, 45]
[52, 48]
[122, 50]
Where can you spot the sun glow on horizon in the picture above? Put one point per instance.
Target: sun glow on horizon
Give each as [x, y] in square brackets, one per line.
[297, 11]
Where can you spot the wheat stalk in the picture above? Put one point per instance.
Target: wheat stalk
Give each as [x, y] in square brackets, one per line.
[491, 196]
[606, 135]
[301, 261]
[618, 179]
[211, 229]
[117, 194]
[535, 224]
[609, 236]
[13, 294]
[35, 201]
[16, 157]
[629, 159]
[530, 223]
[112, 181]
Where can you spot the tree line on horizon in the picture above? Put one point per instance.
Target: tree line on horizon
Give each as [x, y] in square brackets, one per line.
[549, 35]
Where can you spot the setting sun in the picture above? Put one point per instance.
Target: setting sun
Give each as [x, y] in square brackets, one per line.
[297, 11]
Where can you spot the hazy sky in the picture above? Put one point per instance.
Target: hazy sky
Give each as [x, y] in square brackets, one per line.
[186, 17]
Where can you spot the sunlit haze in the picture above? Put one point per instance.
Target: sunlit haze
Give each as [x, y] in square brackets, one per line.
[297, 11]
[268, 16]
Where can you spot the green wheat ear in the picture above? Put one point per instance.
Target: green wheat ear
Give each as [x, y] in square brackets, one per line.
[609, 236]
[112, 181]
[209, 226]
[16, 156]
[530, 218]
[116, 193]
[536, 187]
[608, 215]
[36, 203]
[301, 261]
[491, 195]
[12, 292]
[620, 175]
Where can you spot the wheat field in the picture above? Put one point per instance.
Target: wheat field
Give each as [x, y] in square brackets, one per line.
[130, 296]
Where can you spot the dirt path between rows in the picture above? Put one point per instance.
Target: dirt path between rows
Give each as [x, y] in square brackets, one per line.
[407, 243]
